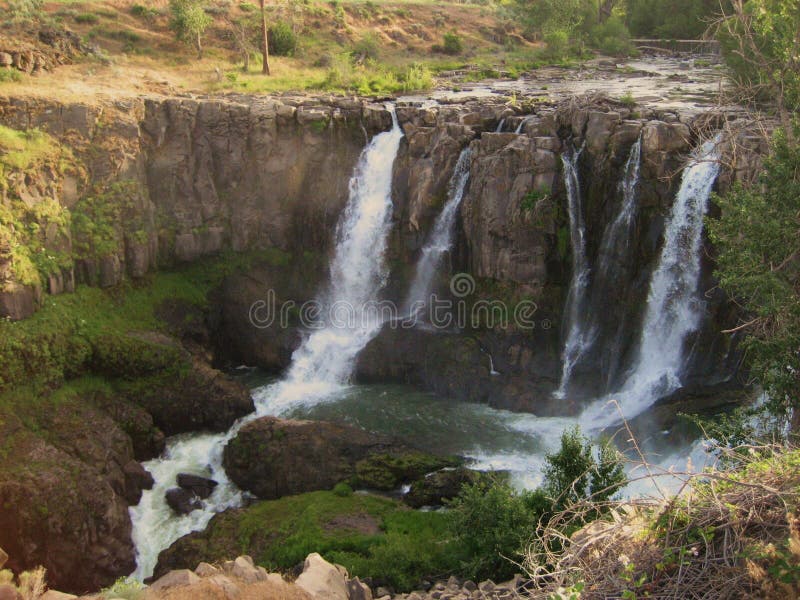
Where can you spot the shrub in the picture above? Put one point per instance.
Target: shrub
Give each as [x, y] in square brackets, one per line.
[452, 44]
[342, 490]
[491, 523]
[282, 39]
[86, 18]
[367, 48]
[556, 44]
[144, 12]
[573, 474]
[248, 7]
[612, 37]
[9, 75]
[124, 589]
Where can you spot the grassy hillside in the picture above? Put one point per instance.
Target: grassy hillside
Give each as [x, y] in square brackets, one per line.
[365, 46]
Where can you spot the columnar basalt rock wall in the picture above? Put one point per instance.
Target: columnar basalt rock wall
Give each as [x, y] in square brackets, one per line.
[172, 180]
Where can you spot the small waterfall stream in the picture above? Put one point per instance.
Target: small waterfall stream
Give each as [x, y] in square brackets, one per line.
[440, 239]
[578, 337]
[320, 366]
[673, 307]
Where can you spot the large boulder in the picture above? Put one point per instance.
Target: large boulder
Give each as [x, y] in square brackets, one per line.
[271, 458]
[438, 487]
[64, 497]
[322, 580]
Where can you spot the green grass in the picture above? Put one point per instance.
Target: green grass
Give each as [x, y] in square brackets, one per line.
[407, 546]
[24, 150]
[60, 340]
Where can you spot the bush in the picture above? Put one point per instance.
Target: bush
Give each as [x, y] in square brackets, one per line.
[342, 490]
[248, 7]
[367, 48]
[124, 589]
[144, 12]
[556, 44]
[574, 474]
[612, 38]
[282, 39]
[452, 44]
[491, 523]
[86, 18]
[10, 75]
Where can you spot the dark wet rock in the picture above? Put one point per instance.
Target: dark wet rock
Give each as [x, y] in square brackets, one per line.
[272, 458]
[200, 486]
[182, 501]
[436, 488]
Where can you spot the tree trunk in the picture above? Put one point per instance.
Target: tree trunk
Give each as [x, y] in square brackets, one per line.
[199, 46]
[606, 7]
[264, 41]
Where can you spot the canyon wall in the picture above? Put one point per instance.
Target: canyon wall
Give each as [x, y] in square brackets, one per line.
[152, 183]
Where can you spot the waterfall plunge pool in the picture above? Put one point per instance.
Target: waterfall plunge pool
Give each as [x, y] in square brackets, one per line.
[489, 438]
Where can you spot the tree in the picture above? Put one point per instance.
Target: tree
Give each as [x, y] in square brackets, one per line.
[241, 31]
[264, 40]
[189, 21]
[573, 474]
[758, 238]
[761, 43]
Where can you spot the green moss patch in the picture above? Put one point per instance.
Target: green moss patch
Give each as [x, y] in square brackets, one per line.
[389, 471]
[372, 536]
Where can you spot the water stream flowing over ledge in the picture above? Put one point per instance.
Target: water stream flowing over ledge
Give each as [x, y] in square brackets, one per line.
[320, 368]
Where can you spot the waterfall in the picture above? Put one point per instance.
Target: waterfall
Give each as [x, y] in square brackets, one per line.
[320, 366]
[521, 125]
[579, 337]
[500, 126]
[357, 273]
[673, 307]
[440, 239]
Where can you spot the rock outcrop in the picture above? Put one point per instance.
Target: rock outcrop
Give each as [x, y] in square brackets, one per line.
[273, 458]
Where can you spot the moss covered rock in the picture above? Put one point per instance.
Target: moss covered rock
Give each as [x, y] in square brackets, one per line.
[271, 458]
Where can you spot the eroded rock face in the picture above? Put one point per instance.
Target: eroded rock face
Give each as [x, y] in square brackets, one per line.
[64, 498]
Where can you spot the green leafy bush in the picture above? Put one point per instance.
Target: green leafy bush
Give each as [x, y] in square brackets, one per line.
[342, 490]
[86, 18]
[282, 39]
[491, 523]
[144, 12]
[556, 44]
[452, 44]
[573, 473]
[612, 37]
[10, 75]
[367, 48]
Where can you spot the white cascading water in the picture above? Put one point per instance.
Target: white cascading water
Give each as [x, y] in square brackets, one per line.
[521, 125]
[440, 240]
[673, 308]
[578, 336]
[320, 366]
[325, 360]
[500, 126]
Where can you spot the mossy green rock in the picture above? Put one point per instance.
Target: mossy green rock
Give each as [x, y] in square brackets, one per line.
[272, 458]
[390, 471]
[372, 536]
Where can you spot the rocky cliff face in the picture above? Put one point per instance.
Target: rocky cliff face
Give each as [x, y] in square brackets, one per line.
[158, 182]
